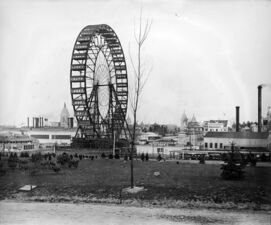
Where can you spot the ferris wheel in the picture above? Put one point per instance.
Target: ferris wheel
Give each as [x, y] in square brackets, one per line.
[98, 83]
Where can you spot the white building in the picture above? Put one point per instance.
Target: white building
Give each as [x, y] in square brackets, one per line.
[241, 140]
[216, 126]
[148, 137]
[59, 136]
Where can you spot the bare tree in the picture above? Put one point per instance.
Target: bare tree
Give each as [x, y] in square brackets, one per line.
[139, 79]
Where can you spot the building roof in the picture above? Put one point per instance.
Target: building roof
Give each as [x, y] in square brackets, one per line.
[193, 119]
[184, 118]
[239, 135]
[9, 137]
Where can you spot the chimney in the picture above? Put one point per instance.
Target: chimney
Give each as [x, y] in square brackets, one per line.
[259, 108]
[70, 122]
[28, 122]
[237, 118]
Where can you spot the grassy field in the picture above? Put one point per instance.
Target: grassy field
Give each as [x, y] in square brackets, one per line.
[104, 178]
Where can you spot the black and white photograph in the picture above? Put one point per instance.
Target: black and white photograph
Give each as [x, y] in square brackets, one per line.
[143, 112]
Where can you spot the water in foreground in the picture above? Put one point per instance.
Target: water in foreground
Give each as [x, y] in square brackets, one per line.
[68, 213]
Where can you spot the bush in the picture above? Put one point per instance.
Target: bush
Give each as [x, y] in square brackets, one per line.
[202, 159]
[73, 163]
[23, 161]
[147, 157]
[12, 164]
[232, 171]
[24, 167]
[110, 156]
[63, 159]
[103, 155]
[117, 156]
[24, 155]
[234, 167]
[36, 157]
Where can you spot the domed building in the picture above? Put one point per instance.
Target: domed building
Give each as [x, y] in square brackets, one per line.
[191, 132]
[193, 126]
[64, 117]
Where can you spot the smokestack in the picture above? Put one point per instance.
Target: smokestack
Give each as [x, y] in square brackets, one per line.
[237, 118]
[70, 122]
[259, 108]
[28, 122]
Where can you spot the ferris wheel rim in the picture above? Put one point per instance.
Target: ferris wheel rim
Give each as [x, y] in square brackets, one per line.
[78, 71]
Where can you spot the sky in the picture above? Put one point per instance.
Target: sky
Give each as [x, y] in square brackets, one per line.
[205, 57]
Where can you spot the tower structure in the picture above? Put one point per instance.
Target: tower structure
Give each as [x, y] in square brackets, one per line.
[64, 117]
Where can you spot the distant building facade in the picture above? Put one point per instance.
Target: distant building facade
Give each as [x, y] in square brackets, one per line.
[216, 126]
[266, 123]
[64, 117]
[241, 140]
[59, 136]
[191, 132]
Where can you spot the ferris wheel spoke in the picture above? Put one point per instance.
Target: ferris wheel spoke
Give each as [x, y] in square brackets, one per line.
[91, 59]
[94, 53]
[89, 78]
[90, 68]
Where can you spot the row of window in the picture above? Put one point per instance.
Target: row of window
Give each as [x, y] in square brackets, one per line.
[61, 136]
[214, 129]
[26, 147]
[43, 136]
[213, 145]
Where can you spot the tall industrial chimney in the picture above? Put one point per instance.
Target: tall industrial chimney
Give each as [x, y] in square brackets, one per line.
[237, 119]
[259, 108]
[28, 122]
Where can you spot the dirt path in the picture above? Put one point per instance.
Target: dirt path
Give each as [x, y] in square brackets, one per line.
[70, 214]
